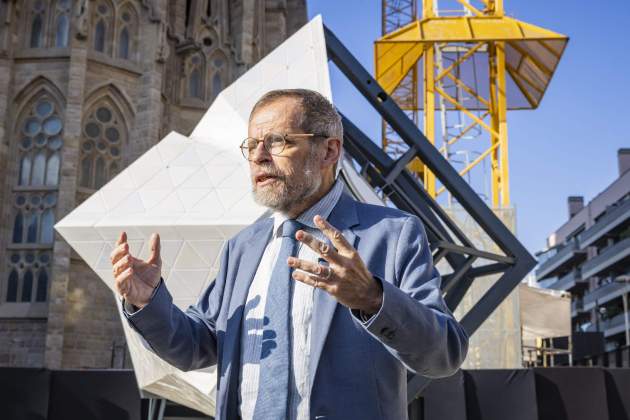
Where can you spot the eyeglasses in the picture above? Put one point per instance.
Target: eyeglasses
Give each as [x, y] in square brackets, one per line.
[274, 143]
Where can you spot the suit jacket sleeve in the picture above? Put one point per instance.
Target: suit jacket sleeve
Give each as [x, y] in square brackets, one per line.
[414, 323]
[186, 340]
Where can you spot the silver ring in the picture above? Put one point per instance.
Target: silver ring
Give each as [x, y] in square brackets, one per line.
[329, 275]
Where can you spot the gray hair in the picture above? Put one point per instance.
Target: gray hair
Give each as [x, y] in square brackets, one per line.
[318, 115]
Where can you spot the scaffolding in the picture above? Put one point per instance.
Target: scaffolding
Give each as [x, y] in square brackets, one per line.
[476, 64]
[394, 15]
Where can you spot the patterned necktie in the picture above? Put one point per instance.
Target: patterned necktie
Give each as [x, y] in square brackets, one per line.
[275, 367]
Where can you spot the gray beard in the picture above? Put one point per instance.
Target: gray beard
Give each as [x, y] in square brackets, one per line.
[287, 191]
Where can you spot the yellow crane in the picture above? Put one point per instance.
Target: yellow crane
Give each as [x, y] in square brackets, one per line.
[394, 15]
[475, 62]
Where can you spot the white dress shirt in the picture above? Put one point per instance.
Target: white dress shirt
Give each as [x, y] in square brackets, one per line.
[301, 311]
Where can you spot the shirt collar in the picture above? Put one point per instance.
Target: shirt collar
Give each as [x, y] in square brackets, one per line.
[323, 207]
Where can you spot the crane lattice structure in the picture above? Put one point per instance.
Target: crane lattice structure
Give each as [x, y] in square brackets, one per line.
[477, 62]
[394, 15]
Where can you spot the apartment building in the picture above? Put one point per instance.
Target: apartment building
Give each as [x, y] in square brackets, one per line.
[589, 256]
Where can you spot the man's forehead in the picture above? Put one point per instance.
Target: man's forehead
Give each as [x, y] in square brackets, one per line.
[277, 114]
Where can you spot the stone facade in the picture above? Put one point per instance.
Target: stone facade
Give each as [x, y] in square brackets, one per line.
[86, 86]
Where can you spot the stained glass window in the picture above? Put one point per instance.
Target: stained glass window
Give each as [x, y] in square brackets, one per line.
[103, 24]
[63, 28]
[218, 72]
[37, 31]
[38, 146]
[123, 44]
[103, 132]
[195, 70]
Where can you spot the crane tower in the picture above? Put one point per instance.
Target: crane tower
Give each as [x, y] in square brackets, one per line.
[476, 64]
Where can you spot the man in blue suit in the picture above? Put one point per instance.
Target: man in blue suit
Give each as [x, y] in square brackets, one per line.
[318, 312]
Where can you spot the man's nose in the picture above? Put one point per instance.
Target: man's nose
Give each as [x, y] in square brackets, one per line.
[260, 154]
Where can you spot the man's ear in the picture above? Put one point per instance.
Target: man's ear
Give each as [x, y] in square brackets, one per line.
[333, 151]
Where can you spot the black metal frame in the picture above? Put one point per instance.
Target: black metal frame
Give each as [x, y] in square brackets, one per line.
[391, 176]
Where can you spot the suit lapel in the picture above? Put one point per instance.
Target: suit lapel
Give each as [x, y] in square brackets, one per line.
[343, 217]
[248, 258]
[251, 254]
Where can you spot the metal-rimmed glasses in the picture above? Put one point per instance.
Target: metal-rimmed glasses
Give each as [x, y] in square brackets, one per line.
[274, 143]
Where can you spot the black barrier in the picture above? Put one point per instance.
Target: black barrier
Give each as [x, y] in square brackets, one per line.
[587, 344]
[94, 395]
[443, 399]
[571, 393]
[24, 393]
[499, 394]
[618, 393]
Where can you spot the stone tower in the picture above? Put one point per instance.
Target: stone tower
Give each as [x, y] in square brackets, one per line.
[86, 86]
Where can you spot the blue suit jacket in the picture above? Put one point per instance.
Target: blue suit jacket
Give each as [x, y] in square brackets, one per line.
[357, 370]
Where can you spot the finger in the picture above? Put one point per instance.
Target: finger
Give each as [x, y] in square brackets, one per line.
[119, 252]
[323, 272]
[154, 256]
[310, 280]
[322, 248]
[123, 281]
[122, 238]
[122, 264]
[335, 236]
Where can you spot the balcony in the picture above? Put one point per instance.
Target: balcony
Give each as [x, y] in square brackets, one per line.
[605, 293]
[566, 256]
[614, 257]
[568, 281]
[614, 325]
[615, 217]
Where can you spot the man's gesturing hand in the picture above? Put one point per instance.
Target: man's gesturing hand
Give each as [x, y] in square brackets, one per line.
[136, 279]
[346, 277]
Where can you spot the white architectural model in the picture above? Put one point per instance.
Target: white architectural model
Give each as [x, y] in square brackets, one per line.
[195, 192]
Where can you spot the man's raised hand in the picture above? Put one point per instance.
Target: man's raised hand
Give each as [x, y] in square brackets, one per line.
[346, 277]
[136, 279]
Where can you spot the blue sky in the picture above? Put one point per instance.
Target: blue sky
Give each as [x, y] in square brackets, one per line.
[568, 146]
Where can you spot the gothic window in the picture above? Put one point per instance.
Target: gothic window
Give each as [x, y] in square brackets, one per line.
[218, 75]
[127, 27]
[34, 218]
[28, 275]
[217, 85]
[62, 23]
[27, 286]
[37, 23]
[42, 286]
[194, 85]
[103, 27]
[195, 71]
[40, 141]
[39, 135]
[123, 44]
[103, 137]
[12, 286]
